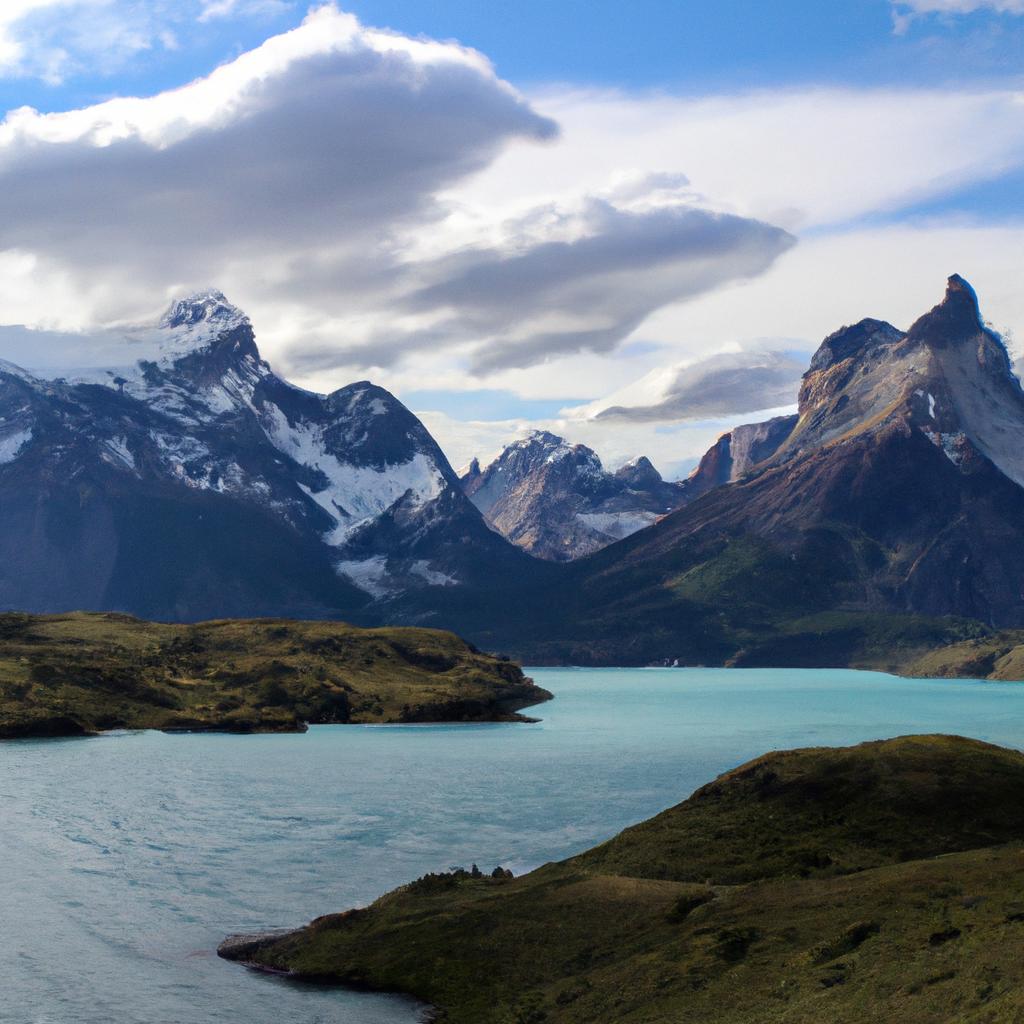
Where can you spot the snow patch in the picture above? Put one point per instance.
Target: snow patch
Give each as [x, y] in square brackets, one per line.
[953, 445]
[115, 450]
[17, 371]
[617, 524]
[931, 405]
[353, 495]
[13, 445]
[422, 569]
[191, 325]
[369, 575]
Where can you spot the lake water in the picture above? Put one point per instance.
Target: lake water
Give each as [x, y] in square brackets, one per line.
[126, 858]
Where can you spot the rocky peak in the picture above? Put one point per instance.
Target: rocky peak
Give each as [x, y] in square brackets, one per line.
[639, 474]
[373, 428]
[852, 342]
[955, 318]
[556, 500]
[949, 378]
[202, 334]
[201, 307]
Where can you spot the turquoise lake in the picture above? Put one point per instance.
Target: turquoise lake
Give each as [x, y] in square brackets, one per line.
[127, 857]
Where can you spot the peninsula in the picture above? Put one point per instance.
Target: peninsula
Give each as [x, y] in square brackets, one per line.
[876, 882]
[75, 674]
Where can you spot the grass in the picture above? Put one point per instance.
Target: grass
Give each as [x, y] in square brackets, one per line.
[866, 640]
[879, 882]
[81, 673]
[998, 656]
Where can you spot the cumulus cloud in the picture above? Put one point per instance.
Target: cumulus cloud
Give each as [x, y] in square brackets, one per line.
[311, 174]
[323, 128]
[322, 140]
[726, 384]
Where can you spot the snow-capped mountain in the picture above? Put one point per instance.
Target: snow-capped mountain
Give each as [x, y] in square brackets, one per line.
[556, 500]
[195, 482]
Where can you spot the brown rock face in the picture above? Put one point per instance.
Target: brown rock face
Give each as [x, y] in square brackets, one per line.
[897, 488]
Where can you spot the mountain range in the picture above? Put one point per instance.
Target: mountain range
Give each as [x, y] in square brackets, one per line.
[886, 515]
[197, 483]
[558, 502]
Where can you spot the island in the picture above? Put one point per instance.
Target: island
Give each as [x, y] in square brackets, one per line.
[82, 673]
[881, 882]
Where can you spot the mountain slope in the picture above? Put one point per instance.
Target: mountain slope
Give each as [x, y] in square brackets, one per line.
[197, 483]
[556, 501]
[896, 491]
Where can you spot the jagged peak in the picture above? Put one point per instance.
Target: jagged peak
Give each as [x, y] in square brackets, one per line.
[204, 306]
[13, 370]
[640, 471]
[852, 340]
[364, 396]
[957, 316]
[544, 438]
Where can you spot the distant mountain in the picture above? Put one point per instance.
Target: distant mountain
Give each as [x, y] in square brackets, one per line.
[197, 483]
[886, 517]
[882, 521]
[556, 501]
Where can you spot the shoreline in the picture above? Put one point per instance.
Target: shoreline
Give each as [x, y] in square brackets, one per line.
[505, 716]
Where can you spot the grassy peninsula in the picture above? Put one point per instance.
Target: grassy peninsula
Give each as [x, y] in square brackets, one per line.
[66, 675]
[883, 882]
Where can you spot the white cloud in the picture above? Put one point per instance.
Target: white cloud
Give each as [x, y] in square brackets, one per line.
[582, 283]
[212, 9]
[305, 175]
[905, 11]
[726, 384]
[961, 6]
[297, 160]
[805, 158]
[12, 46]
[55, 39]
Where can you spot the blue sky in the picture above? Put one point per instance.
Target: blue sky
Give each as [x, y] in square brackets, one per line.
[687, 45]
[626, 196]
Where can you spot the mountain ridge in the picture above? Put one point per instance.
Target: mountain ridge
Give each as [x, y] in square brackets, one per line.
[197, 483]
[892, 493]
[556, 500]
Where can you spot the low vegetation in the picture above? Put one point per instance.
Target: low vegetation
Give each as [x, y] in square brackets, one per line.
[81, 673]
[881, 882]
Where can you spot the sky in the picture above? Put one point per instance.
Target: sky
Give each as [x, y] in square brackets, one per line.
[631, 224]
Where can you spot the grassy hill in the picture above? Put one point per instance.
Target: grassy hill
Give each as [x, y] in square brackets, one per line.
[879, 882]
[80, 673]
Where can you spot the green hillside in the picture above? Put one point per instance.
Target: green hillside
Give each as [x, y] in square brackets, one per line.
[882, 882]
[81, 673]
